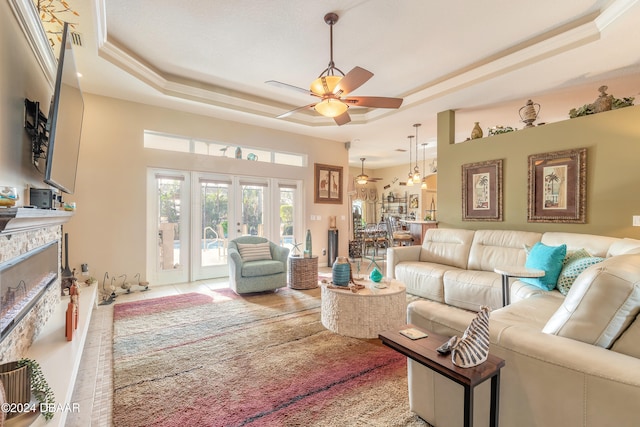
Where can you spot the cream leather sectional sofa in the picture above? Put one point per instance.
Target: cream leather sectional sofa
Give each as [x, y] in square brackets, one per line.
[570, 361]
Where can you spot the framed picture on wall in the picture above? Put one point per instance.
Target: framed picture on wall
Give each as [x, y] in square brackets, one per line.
[558, 186]
[482, 191]
[328, 184]
[413, 201]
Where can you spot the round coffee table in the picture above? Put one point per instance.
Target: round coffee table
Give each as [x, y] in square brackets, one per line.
[366, 313]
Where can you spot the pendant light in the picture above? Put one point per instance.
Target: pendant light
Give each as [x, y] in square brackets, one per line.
[416, 169]
[410, 179]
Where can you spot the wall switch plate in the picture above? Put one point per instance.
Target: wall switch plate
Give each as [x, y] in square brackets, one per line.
[636, 220]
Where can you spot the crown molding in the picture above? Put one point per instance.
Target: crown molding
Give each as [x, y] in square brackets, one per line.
[29, 21]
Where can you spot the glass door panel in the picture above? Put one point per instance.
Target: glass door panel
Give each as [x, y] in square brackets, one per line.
[211, 228]
[170, 207]
[253, 208]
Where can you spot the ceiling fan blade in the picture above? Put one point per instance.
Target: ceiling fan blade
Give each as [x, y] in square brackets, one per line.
[342, 119]
[373, 101]
[295, 110]
[352, 81]
[291, 87]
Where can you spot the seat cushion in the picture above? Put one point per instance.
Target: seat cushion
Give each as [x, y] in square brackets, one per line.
[601, 304]
[470, 289]
[424, 279]
[262, 268]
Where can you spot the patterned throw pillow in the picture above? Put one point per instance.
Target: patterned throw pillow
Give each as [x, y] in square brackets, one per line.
[546, 258]
[254, 251]
[572, 270]
[573, 255]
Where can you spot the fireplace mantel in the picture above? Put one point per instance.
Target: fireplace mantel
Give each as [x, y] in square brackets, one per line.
[13, 220]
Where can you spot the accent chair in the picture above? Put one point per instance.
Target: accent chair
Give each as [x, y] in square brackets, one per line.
[256, 265]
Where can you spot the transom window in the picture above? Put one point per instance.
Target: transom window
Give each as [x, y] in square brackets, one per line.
[183, 144]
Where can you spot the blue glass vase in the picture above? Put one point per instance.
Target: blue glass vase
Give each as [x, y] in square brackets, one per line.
[341, 271]
[375, 275]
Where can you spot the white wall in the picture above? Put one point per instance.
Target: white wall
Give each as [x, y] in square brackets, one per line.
[109, 228]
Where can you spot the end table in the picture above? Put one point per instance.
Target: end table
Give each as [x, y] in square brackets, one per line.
[424, 352]
[302, 273]
[514, 271]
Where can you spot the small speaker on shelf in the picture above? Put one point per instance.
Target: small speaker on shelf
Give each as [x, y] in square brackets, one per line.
[40, 197]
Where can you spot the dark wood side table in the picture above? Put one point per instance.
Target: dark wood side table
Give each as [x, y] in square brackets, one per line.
[424, 352]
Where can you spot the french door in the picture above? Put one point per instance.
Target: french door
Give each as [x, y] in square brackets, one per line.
[220, 208]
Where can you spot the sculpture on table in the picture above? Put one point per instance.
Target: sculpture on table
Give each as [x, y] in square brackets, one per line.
[473, 348]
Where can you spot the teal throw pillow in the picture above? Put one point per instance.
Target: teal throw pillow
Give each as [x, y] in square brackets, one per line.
[549, 259]
[572, 270]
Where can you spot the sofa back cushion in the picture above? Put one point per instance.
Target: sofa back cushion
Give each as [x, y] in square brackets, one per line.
[449, 246]
[624, 246]
[595, 245]
[601, 304]
[492, 248]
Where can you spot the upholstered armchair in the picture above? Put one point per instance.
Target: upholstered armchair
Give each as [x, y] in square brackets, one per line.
[256, 265]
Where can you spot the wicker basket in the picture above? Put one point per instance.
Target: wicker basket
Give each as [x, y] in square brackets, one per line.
[302, 273]
[17, 384]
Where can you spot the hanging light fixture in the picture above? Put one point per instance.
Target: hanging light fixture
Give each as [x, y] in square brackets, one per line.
[410, 179]
[424, 179]
[416, 169]
[362, 179]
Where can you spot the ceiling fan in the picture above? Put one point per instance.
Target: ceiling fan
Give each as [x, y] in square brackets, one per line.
[332, 89]
[363, 179]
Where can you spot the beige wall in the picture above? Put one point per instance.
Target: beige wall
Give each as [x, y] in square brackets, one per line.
[20, 77]
[110, 225]
[612, 140]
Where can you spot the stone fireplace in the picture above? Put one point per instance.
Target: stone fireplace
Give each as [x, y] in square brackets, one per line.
[30, 248]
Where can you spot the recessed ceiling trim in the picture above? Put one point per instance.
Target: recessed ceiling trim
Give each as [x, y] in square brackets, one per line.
[537, 49]
[568, 40]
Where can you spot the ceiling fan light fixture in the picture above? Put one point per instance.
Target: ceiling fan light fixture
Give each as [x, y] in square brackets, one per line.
[331, 107]
[362, 179]
[318, 85]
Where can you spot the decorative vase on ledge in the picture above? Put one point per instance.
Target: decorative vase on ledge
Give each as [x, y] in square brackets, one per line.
[476, 132]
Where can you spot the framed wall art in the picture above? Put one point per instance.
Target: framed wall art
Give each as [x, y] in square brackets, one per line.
[558, 186]
[328, 184]
[413, 201]
[482, 191]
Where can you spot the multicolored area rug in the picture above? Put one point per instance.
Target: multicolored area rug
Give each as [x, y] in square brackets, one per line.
[260, 360]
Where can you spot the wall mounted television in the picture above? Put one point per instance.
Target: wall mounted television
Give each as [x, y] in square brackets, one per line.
[65, 121]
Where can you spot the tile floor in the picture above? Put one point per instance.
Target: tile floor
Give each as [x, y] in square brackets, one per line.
[93, 389]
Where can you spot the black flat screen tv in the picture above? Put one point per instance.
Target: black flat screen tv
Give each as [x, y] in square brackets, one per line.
[65, 121]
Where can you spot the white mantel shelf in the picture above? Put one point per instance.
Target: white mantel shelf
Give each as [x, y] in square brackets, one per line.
[14, 220]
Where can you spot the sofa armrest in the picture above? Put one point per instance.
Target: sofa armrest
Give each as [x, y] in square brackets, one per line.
[399, 254]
